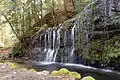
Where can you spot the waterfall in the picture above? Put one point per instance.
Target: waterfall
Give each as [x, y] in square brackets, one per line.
[65, 42]
[57, 42]
[48, 55]
[73, 41]
[53, 43]
[45, 45]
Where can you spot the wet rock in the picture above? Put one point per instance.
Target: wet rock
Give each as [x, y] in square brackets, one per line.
[100, 18]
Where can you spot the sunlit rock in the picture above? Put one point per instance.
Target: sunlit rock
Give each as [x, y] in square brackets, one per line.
[76, 75]
[88, 78]
[32, 70]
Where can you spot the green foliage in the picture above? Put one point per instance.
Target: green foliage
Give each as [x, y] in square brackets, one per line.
[110, 51]
[18, 19]
[14, 54]
[115, 19]
[96, 44]
[81, 4]
[43, 27]
[21, 18]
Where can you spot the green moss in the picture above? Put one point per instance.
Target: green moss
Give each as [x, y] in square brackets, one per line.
[110, 49]
[32, 70]
[55, 73]
[76, 75]
[66, 72]
[13, 66]
[96, 44]
[88, 78]
[62, 71]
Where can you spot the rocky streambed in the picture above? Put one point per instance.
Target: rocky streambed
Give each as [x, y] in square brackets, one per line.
[8, 72]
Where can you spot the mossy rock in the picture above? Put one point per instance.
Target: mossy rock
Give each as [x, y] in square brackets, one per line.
[55, 73]
[64, 71]
[32, 70]
[76, 75]
[88, 78]
[13, 65]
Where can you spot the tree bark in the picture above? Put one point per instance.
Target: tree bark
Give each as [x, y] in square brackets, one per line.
[54, 18]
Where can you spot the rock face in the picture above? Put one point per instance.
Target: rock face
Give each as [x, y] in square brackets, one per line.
[95, 38]
[100, 12]
[102, 22]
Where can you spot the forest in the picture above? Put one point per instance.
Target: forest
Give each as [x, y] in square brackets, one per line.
[59, 39]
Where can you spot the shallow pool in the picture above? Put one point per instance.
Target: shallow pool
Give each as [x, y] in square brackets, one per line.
[98, 74]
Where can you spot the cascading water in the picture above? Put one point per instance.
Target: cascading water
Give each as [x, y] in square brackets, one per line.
[63, 44]
[53, 43]
[57, 43]
[73, 41]
[52, 37]
[49, 51]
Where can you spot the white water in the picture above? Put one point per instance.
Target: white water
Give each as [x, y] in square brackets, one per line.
[45, 49]
[77, 66]
[55, 42]
[73, 41]
[50, 53]
[49, 50]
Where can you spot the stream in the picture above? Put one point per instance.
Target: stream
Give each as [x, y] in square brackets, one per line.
[98, 74]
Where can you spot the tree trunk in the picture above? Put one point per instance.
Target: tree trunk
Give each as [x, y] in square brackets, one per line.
[59, 16]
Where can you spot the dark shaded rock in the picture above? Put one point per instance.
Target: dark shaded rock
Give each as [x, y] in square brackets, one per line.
[100, 17]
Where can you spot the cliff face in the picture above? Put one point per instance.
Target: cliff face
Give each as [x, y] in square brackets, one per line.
[101, 14]
[102, 21]
[98, 37]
